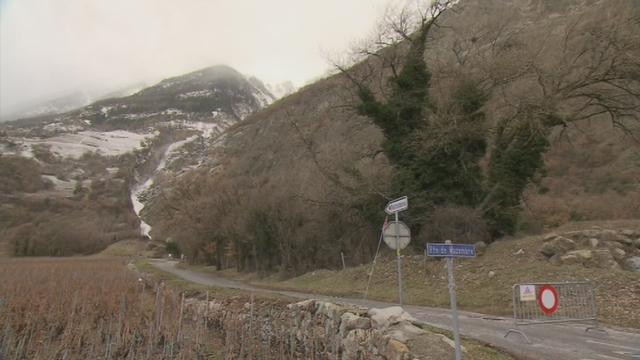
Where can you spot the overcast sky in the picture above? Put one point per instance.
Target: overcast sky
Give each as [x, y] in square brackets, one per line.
[51, 47]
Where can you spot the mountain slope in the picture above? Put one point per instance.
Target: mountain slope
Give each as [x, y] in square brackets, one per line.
[301, 182]
[198, 95]
[77, 182]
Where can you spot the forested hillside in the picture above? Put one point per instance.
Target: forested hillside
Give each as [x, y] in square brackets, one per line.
[493, 117]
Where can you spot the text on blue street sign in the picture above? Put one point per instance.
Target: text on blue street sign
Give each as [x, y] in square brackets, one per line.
[451, 250]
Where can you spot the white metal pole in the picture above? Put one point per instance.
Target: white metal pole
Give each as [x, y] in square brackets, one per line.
[397, 225]
[454, 306]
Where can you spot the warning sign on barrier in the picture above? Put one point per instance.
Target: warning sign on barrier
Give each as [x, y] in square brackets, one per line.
[527, 293]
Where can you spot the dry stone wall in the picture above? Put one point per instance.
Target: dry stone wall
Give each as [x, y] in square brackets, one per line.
[314, 329]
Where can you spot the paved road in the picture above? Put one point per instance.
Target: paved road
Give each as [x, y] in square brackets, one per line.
[560, 342]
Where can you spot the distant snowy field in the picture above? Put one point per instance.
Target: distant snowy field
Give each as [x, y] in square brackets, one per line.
[74, 145]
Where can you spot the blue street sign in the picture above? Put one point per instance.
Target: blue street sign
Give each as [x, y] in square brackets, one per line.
[451, 250]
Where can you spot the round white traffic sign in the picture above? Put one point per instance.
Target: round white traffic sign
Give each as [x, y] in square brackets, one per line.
[548, 300]
[396, 235]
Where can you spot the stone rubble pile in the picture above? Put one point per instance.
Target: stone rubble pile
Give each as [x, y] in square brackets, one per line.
[601, 248]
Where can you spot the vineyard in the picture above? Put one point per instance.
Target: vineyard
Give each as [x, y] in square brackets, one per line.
[98, 308]
[94, 309]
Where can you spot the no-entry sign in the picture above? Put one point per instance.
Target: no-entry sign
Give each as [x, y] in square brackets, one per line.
[548, 300]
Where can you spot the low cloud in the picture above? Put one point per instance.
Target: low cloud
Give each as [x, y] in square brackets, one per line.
[49, 48]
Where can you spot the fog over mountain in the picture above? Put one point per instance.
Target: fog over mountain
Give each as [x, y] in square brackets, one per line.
[49, 49]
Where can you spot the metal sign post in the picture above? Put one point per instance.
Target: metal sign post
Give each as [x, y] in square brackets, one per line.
[454, 305]
[397, 236]
[397, 225]
[450, 251]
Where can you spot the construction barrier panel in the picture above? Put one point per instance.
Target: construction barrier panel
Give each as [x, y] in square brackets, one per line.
[559, 302]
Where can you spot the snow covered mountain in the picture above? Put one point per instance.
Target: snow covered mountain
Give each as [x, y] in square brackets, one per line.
[108, 158]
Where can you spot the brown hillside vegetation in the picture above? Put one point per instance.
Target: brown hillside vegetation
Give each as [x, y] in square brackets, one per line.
[550, 56]
[307, 179]
[56, 221]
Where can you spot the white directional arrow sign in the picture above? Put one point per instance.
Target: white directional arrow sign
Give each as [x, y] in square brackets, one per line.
[397, 205]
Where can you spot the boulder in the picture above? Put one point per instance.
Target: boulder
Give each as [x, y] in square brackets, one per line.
[609, 235]
[395, 350]
[593, 242]
[384, 318]
[404, 331]
[574, 235]
[555, 259]
[618, 253]
[625, 241]
[492, 273]
[582, 255]
[570, 259]
[585, 254]
[604, 260]
[591, 233]
[550, 237]
[632, 264]
[352, 344]
[330, 310]
[629, 233]
[351, 321]
[636, 242]
[305, 305]
[559, 245]
[614, 244]
[481, 247]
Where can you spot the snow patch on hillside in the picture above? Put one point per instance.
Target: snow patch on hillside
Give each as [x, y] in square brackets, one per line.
[74, 145]
[65, 187]
[61, 127]
[242, 110]
[197, 93]
[173, 112]
[138, 205]
[172, 150]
